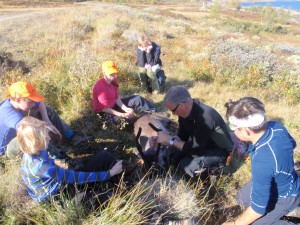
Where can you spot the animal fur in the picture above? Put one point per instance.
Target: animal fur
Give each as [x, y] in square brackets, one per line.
[146, 127]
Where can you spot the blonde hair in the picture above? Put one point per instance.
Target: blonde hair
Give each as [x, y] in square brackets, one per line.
[33, 135]
[144, 40]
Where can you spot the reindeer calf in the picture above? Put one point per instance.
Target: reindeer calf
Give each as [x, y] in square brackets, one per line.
[146, 127]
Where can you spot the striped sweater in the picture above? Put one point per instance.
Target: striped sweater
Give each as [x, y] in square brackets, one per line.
[43, 178]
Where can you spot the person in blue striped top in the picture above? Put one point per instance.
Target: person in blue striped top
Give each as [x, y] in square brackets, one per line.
[43, 178]
[274, 189]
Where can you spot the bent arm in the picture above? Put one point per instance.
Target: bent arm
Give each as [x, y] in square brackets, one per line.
[112, 112]
[43, 111]
[124, 107]
[164, 139]
[153, 56]
[195, 137]
[141, 59]
[120, 103]
[247, 217]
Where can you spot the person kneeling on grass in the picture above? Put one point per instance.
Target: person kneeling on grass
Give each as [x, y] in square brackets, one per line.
[44, 179]
[274, 189]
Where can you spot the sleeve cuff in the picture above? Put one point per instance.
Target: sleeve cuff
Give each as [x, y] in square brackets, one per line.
[258, 209]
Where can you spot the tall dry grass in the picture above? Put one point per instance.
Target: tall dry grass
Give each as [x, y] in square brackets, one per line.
[64, 49]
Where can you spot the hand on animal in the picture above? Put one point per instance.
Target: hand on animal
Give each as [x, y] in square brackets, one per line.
[128, 115]
[163, 138]
[141, 48]
[56, 132]
[116, 169]
[128, 110]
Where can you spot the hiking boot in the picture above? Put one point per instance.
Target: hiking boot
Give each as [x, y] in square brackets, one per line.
[80, 141]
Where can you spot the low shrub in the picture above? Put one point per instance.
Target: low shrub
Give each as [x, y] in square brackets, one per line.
[201, 71]
[247, 66]
[286, 48]
[271, 14]
[81, 27]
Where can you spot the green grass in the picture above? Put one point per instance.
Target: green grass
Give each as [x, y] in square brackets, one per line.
[64, 49]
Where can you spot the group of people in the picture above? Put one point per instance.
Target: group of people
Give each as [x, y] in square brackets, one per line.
[202, 144]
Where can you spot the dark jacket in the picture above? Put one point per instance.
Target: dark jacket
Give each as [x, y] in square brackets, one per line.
[152, 58]
[204, 130]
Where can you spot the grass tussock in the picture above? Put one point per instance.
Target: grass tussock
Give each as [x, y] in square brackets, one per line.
[217, 55]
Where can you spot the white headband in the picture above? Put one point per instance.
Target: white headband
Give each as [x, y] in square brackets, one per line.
[251, 121]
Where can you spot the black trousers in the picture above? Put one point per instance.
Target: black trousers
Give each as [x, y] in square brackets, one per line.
[93, 193]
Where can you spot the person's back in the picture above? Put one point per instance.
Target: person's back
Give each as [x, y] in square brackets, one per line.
[9, 118]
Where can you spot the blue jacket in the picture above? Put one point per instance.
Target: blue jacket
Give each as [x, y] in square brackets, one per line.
[272, 165]
[9, 120]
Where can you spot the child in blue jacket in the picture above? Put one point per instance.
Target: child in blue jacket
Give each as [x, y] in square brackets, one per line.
[42, 177]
